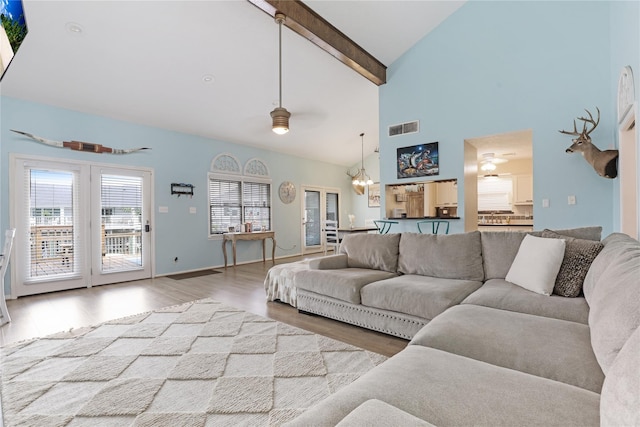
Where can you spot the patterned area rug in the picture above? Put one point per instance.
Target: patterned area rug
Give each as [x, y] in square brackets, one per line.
[197, 364]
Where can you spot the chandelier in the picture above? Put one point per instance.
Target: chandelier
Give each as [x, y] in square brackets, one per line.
[361, 178]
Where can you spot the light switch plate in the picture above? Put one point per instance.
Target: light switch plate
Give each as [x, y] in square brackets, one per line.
[571, 200]
[163, 209]
[545, 203]
[192, 210]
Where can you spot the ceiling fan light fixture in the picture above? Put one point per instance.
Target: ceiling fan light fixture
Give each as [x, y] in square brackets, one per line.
[280, 117]
[488, 167]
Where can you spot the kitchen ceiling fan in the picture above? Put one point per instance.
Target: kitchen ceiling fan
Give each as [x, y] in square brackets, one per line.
[489, 162]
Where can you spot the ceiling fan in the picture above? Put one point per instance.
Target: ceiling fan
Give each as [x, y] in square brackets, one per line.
[489, 162]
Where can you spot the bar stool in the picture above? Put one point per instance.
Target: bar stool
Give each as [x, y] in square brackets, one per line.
[435, 226]
[384, 225]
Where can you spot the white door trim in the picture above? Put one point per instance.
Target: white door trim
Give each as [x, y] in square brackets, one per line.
[85, 166]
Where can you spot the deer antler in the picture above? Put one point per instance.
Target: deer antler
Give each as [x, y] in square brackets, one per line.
[575, 130]
[584, 132]
[590, 120]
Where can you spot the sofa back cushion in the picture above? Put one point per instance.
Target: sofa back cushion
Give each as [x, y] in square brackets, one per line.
[376, 251]
[451, 256]
[499, 249]
[612, 291]
[578, 256]
[587, 233]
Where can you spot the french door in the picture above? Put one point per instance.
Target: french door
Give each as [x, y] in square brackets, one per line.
[78, 224]
[318, 204]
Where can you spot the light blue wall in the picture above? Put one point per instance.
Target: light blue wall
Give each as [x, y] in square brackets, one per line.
[496, 67]
[625, 50]
[174, 157]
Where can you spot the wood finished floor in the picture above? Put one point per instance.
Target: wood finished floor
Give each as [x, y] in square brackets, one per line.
[241, 287]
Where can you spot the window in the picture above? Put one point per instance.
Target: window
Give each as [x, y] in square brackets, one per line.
[234, 201]
[494, 194]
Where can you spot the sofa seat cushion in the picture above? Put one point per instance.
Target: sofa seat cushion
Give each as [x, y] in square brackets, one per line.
[550, 348]
[450, 390]
[421, 296]
[343, 284]
[498, 293]
[451, 256]
[375, 412]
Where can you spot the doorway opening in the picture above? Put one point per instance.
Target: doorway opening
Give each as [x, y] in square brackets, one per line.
[501, 173]
[78, 224]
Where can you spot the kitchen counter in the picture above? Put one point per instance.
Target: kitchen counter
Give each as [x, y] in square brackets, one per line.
[427, 217]
[504, 224]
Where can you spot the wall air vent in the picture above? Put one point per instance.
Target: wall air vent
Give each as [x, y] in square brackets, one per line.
[404, 128]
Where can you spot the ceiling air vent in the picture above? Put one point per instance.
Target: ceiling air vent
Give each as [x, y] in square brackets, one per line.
[404, 128]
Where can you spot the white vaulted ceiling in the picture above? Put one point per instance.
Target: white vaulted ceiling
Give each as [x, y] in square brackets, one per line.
[146, 62]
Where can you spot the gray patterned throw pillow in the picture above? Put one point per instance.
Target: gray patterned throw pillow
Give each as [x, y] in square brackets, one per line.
[578, 256]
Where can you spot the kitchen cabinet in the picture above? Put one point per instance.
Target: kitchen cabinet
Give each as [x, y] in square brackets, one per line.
[415, 204]
[447, 194]
[523, 189]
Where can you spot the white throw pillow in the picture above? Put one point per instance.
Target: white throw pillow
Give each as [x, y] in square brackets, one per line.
[537, 264]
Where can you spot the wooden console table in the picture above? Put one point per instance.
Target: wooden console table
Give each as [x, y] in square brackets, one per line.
[257, 235]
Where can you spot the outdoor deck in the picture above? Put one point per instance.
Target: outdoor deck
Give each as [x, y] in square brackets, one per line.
[64, 265]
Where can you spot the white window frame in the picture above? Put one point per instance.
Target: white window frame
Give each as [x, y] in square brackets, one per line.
[242, 180]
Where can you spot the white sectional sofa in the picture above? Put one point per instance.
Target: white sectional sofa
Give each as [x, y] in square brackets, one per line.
[483, 350]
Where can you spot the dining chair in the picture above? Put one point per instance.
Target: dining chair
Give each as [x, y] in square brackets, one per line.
[435, 226]
[384, 225]
[4, 263]
[331, 238]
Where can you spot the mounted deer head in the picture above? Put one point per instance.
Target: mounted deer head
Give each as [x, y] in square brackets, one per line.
[605, 162]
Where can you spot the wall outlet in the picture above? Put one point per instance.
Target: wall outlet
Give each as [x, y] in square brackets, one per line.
[571, 200]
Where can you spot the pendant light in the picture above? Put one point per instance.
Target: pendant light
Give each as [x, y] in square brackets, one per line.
[280, 116]
[361, 178]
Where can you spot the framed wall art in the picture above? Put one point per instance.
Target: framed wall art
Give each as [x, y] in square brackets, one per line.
[418, 160]
[373, 196]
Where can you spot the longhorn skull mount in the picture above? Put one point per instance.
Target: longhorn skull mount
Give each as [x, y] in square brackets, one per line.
[605, 162]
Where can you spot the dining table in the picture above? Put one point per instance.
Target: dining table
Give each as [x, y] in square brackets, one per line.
[350, 230]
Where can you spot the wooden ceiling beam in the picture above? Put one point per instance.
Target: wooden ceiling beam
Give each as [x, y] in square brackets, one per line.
[304, 21]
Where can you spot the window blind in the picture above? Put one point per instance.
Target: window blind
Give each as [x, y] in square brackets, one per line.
[256, 200]
[233, 202]
[224, 205]
[495, 194]
[54, 248]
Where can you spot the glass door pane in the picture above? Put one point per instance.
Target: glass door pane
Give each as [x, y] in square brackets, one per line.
[332, 208]
[312, 219]
[52, 225]
[121, 223]
[121, 240]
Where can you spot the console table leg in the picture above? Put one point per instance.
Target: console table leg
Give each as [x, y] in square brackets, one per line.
[273, 250]
[233, 245]
[224, 252]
